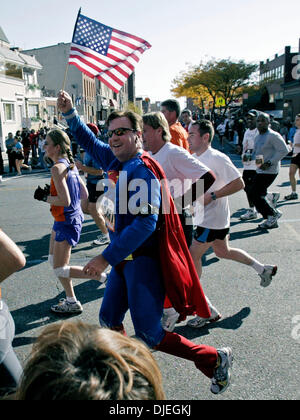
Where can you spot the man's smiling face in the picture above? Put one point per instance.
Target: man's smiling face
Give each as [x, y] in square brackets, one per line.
[124, 146]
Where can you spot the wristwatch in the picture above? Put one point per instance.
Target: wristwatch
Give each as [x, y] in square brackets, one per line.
[213, 196]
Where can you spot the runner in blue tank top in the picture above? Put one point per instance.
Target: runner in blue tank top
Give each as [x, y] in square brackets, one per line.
[66, 191]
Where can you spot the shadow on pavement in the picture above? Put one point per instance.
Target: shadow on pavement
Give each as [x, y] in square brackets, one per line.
[231, 323]
[38, 315]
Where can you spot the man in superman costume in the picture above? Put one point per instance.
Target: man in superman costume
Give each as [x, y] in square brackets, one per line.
[148, 252]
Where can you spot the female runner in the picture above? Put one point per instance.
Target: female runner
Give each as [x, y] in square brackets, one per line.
[66, 191]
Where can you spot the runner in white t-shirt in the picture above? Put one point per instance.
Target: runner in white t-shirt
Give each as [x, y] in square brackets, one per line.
[214, 229]
[248, 162]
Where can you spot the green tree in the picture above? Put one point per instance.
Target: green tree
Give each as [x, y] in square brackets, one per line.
[223, 78]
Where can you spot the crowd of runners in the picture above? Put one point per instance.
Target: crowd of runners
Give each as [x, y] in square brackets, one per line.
[158, 191]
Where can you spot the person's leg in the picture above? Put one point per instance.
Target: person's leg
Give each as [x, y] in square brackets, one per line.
[197, 251]
[258, 192]
[248, 177]
[292, 174]
[61, 259]
[11, 257]
[98, 217]
[115, 302]
[18, 166]
[223, 250]
[146, 298]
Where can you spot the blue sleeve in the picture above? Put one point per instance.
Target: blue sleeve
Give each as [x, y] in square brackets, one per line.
[100, 151]
[140, 229]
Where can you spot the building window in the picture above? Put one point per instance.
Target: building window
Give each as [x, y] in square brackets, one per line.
[51, 110]
[33, 111]
[9, 112]
[13, 70]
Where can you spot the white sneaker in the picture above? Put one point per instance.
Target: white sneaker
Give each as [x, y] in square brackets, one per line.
[249, 215]
[65, 307]
[270, 223]
[273, 198]
[199, 322]
[169, 319]
[267, 275]
[101, 240]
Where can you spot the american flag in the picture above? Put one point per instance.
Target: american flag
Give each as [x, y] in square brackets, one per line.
[106, 53]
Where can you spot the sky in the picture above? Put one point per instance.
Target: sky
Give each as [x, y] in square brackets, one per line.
[181, 33]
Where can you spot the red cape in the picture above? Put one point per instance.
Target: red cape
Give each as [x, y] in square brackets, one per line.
[181, 280]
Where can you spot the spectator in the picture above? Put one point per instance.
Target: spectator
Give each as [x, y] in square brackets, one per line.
[9, 143]
[26, 144]
[41, 149]
[1, 161]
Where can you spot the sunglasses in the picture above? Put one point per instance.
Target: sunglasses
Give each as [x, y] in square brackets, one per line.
[119, 131]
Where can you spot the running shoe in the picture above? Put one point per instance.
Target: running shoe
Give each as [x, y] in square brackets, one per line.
[267, 275]
[222, 374]
[292, 196]
[249, 215]
[65, 307]
[199, 322]
[101, 240]
[169, 319]
[271, 221]
[273, 199]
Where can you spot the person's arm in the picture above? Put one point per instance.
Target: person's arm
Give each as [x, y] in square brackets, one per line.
[63, 198]
[280, 151]
[130, 238]
[99, 150]
[229, 189]
[88, 169]
[11, 257]
[84, 194]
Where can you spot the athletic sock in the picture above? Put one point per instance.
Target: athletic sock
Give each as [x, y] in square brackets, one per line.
[258, 267]
[71, 300]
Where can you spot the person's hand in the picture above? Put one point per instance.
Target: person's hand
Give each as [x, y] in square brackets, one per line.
[40, 194]
[265, 166]
[79, 165]
[64, 102]
[95, 267]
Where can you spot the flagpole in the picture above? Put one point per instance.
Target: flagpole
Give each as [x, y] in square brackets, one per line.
[67, 66]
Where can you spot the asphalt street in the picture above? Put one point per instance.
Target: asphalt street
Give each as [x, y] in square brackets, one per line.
[261, 325]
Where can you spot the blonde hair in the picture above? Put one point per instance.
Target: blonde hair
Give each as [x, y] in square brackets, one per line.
[77, 361]
[156, 120]
[60, 138]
